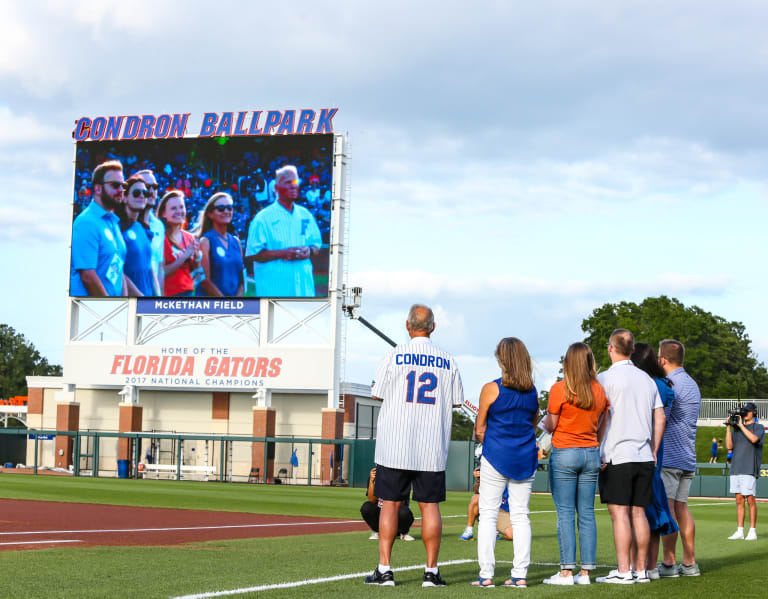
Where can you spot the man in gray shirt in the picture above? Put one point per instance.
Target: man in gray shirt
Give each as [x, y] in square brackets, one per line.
[745, 437]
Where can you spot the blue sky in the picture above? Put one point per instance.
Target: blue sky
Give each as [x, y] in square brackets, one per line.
[514, 165]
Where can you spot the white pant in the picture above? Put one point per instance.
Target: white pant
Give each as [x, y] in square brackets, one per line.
[491, 489]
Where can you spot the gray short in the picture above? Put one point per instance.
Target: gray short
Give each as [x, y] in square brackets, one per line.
[677, 483]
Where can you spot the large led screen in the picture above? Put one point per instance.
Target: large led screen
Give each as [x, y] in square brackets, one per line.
[202, 217]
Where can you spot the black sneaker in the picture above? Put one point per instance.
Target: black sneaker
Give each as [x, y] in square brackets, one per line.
[387, 579]
[433, 580]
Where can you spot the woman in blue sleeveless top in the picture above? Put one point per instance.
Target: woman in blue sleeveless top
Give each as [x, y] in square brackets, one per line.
[222, 254]
[660, 519]
[138, 238]
[505, 425]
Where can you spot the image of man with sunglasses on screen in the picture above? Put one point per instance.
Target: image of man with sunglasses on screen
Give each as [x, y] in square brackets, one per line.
[98, 248]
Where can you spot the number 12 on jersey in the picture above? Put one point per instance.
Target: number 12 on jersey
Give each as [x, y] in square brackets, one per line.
[428, 382]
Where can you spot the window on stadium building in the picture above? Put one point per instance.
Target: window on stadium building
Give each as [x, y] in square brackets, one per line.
[365, 421]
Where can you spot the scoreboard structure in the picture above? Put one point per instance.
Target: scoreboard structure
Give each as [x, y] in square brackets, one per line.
[252, 363]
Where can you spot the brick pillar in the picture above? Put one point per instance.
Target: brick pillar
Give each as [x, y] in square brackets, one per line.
[67, 419]
[263, 426]
[333, 428]
[130, 421]
[220, 412]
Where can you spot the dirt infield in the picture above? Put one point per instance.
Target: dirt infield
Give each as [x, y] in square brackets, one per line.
[45, 524]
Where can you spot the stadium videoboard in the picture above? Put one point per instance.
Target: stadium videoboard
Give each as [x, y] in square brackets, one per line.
[207, 217]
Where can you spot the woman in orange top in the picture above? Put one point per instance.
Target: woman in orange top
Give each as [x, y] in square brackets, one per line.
[577, 408]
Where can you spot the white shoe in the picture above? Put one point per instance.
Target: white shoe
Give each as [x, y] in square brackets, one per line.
[739, 534]
[581, 579]
[559, 580]
[640, 576]
[751, 535]
[653, 574]
[406, 537]
[616, 577]
[374, 536]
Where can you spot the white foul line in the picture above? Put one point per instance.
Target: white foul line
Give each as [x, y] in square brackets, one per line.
[98, 531]
[42, 542]
[298, 583]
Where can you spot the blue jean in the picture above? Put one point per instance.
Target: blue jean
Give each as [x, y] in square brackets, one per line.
[573, 479]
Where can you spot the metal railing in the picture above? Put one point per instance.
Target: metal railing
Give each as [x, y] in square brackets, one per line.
[224, 442]
[716, 410]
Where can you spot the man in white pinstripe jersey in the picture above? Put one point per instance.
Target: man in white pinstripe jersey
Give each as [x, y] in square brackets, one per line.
[419, 386]
[281, 239]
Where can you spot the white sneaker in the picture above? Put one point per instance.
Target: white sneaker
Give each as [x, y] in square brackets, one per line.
[374, 536]
[616, 577]
[739, 534]
[559, 580]
[581, 579]
[653, 574]
[406, 537]
[751, 535]
[640, 576]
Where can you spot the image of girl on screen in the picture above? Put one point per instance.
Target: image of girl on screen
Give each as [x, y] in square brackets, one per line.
[181, 253]
[138, 239]
[222, 253]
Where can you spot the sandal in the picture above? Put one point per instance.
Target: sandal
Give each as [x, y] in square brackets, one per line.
[481, 582]
[516, 583]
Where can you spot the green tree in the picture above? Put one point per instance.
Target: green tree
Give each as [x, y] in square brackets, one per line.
[462, 427]
[19, 359]
[718, 353]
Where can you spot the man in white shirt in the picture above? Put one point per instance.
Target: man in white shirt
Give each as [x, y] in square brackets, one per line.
[419, 385]
[633, 431]
[281, 240]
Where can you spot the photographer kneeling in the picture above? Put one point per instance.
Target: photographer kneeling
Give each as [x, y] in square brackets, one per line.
[745, 437]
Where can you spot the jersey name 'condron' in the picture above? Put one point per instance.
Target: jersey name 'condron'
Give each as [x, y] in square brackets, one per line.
[423, 360]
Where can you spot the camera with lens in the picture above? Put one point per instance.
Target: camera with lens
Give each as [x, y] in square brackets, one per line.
[735, 414]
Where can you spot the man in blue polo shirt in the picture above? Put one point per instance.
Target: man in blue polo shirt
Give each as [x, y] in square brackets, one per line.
[98, 248]
[281, 239]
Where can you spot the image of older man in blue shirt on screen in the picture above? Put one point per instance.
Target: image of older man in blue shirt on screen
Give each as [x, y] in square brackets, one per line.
[98, 248]
[281, 239]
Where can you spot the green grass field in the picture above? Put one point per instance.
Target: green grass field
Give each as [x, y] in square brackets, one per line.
[228, 565]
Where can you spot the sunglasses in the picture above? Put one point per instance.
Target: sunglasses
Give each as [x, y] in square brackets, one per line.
[115, 184]
[153, 186]
[137, 193]
[223, 207]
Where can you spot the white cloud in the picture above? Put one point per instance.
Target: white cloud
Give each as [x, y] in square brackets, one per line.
[397, 285]
[19, 129]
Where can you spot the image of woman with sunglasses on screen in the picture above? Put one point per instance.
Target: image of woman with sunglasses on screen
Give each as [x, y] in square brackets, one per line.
[222, 252]
[182, 251]
[138, 238]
